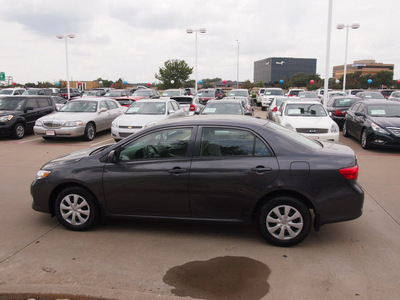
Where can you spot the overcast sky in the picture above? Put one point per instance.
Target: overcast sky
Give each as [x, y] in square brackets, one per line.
[131, 39]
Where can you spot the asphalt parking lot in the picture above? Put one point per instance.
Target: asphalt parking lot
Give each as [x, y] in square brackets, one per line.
[125, 259]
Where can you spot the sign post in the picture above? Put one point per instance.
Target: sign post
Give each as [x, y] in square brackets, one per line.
[2, 76]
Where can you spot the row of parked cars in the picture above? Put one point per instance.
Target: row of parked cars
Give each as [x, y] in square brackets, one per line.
[366, 115]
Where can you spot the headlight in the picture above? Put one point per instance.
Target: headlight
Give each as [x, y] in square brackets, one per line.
[73, 124]
[150, 124]
[334, 128]
[114, 124]
[38, 123]
[379, 129]
[42, 174]
[6, 118]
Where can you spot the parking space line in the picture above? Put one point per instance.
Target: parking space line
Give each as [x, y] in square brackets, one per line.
[30, 140]
[102, 142]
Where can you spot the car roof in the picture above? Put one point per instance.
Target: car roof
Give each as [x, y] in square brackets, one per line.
[295, 101]
[163, 99]
[380, 101]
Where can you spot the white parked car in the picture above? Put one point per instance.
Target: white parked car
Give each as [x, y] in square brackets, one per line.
[259, 96]
[269, 95]
[145, 113]
[274, 106]
[79, 118]
[309, 118]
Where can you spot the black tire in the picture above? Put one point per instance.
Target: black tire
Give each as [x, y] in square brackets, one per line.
[90, 132]
[285, 221]
[19, 131]
[263, 108]
[345, 133]
[364, 140]
[47, 138]
[76, 209]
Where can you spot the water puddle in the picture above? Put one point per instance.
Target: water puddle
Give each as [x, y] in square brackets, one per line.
[227, 277]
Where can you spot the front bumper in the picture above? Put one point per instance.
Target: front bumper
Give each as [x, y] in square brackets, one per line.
[59, 132]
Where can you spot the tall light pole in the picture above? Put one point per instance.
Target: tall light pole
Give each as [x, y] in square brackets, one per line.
[341, 26]
[237, 71]
[328, 51]
[190, 31]
[66, 37]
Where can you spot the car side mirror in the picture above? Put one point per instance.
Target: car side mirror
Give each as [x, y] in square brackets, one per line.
[103, 109]
[171, 111]
[112, 156]
[28, 108]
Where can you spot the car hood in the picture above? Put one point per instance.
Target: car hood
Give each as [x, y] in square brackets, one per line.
[10, 112]
[309, 122]
[386, 121]
[138, 120]
[68, 116]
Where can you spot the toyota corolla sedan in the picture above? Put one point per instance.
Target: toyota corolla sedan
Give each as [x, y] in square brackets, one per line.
[79, 118]
[207, 168]
[309, 118]
[144, 113]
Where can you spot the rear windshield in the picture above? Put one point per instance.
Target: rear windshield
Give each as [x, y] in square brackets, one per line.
[305, 110]
[183, 100]
[345, 102]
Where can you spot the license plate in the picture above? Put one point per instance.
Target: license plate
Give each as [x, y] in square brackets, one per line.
[50, 132]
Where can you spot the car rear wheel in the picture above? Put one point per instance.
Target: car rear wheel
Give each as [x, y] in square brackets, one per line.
[90, 132]
[285, 221]
[76, 209]
[19, 131]
[345, 133]
[364, 140]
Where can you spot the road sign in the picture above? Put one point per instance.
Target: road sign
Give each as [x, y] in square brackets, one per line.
[2, 76]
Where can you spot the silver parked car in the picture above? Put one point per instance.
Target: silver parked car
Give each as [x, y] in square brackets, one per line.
[79, 118]
[145, 113]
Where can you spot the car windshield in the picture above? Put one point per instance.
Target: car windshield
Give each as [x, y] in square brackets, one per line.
[345, 102]
[6, 92]
[91, 93]
[142, 93]
[223, 109]
[31, 92]
[79, 106]
[305, 110]
[388, 110]
[206, 93]
[114, 94]
[374, 96]
[307, 95]
[146, 108]
[171, 93]
[273, 92]
[239, 93]
[12, 103]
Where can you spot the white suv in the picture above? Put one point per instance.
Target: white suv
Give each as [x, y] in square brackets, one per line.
[269, 95]
[259, 95]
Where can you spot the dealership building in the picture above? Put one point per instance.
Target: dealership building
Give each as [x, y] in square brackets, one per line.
[271, 70]
[366, 66]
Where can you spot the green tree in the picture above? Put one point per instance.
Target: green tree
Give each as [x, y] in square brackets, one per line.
[247, 85]
[174, 73]
[105, 82]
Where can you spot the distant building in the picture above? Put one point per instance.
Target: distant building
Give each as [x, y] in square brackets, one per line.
[366, 66]
[273, 69]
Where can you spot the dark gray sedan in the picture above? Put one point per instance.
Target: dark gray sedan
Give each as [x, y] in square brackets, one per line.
[209, 168]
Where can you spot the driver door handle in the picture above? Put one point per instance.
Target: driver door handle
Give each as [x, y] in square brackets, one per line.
[261, 169]
[177, 170]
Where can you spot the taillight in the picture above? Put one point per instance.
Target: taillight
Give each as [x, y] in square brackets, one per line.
[338, 113]
[192, 107]
[275, 109]
[350, 173]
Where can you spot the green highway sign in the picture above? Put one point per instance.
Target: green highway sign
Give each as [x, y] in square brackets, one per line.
[2, 76]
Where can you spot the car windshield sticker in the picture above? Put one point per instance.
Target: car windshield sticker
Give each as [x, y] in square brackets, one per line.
[378, 112]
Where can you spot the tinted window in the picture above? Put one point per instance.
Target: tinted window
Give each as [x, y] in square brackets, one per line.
[345, 102]
[32, 103]
[43, 102]
[231, 142]
[111, 104]
[160, 144]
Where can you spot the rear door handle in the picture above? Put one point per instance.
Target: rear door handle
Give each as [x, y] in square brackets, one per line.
[177, 170]
[261, 169]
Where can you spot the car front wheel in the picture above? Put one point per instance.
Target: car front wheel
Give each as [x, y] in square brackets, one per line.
[19, 131]
[90, 132]
[76, 209]
[345, 133]
[364, 140]
[285, 221]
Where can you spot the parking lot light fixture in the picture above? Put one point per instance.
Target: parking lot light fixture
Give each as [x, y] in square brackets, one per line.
[342, 26]
[190, 31]
[66, 37]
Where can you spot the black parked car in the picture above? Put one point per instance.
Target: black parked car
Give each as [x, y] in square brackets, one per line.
[375, 123]
[337, 108]
[18, 114]
[207, 168]
[73, 92]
